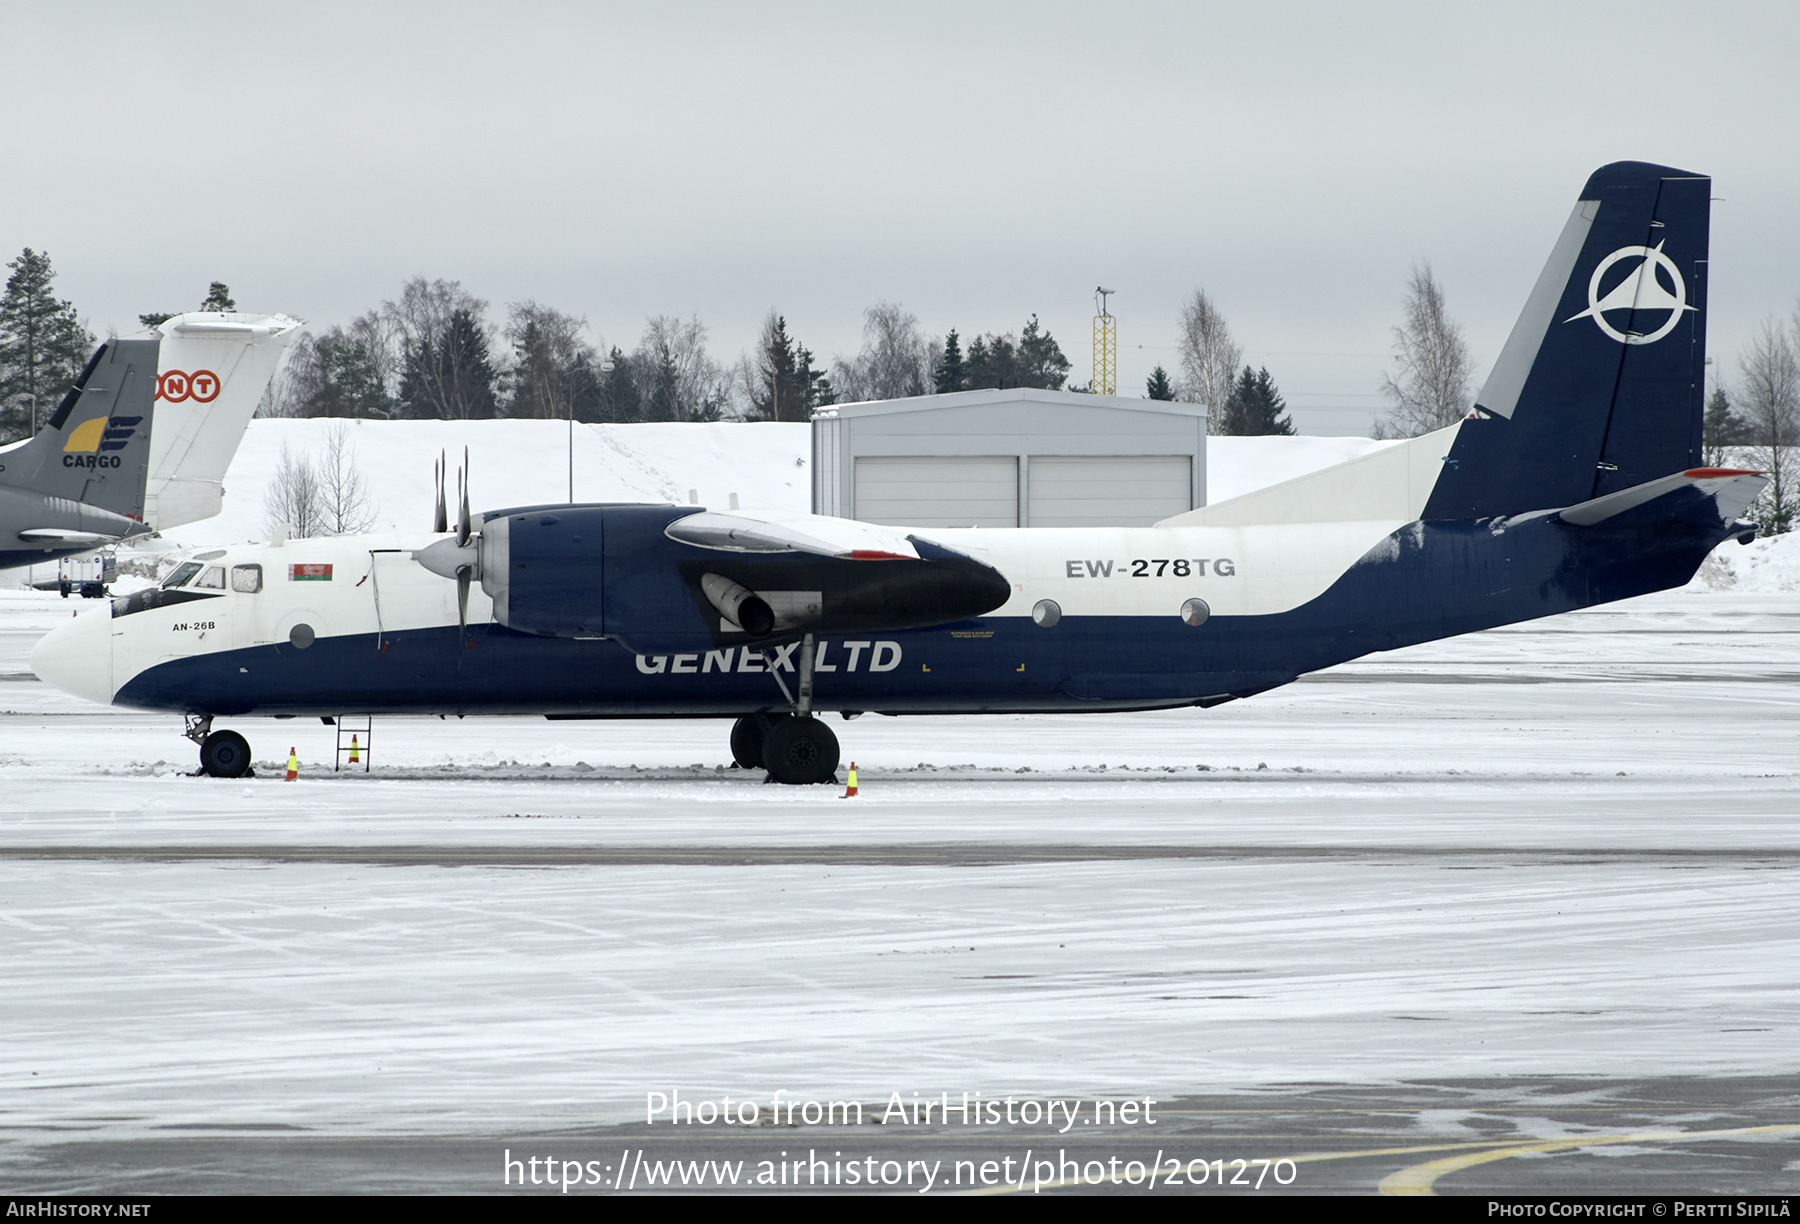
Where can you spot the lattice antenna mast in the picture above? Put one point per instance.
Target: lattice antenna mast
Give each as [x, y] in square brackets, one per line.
[1106, 346]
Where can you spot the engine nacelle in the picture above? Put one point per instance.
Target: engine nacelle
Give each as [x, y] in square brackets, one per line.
[614, 571]
[545, 570]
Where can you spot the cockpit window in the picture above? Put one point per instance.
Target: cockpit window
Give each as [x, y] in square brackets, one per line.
[246, 579]
[212, 579]
[183, 572]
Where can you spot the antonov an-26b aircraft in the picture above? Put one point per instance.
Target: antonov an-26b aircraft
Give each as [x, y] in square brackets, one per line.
[1575, 480]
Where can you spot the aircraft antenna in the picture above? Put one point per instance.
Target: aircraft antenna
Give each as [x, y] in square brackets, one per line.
[1106, 346]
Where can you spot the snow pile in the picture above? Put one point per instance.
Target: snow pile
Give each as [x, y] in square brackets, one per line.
[1764, 566]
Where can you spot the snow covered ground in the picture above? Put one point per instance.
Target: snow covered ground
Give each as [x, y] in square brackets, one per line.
[1566, 848]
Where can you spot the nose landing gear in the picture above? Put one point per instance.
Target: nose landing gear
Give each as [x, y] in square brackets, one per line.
[223, 754]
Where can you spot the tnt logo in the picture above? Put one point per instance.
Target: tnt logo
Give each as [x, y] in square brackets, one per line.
[202, 386]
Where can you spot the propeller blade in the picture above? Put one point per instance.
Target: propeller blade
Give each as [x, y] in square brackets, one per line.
[462, 512]
[442, 523]
[462, 601]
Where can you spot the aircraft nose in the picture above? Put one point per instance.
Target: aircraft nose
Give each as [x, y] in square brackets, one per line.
[76, 657]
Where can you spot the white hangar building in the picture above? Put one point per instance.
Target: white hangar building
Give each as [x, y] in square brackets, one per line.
[1014, 458]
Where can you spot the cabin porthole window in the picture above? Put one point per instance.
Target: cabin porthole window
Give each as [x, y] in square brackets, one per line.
[1046, 612]
[1195, 612]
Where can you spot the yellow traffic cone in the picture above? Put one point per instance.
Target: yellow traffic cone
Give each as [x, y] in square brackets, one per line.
[354, 758]
[293, 765]
[850, 793]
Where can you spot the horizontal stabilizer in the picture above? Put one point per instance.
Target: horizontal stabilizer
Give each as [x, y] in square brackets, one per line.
[1727, 491]
[59, 536]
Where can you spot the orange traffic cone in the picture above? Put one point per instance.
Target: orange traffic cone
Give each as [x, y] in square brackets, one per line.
[293, 765]
[850, 792]
[355, 759]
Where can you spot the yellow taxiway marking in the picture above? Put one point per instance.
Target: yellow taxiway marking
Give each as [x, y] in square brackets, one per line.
[1419, 1178]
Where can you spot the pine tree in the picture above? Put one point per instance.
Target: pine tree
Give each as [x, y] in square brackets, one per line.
[43, 346]
[618, 396]
[154, 320]
[218, 297]
[1041, 360]
[948, 377]
[993, 363]
[1158, 386]
[978, 369]
[783, 384]
[1256, 407]
[449, 375]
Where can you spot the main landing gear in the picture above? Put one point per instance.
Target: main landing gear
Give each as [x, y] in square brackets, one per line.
[223, 754]
[796, 749]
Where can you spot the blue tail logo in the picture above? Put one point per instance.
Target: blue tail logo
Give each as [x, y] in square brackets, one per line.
[1642, 289]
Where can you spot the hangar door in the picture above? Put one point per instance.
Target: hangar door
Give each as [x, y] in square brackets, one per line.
[1109, 490]
[938, 490]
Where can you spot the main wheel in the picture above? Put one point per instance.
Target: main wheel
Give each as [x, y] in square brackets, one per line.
[747, 736]
[798, 751]
[225, 754]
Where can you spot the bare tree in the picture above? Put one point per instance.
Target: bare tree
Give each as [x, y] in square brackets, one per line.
[1431, 361]
[291, 503]
[1209, 359]
[895, 360]
[379, 336]
[345, 506]
[677, 379]
[1768, 403]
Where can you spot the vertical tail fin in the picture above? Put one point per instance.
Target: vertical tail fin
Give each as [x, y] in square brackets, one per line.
[95, 448]
[215, 368]
[1600, 387]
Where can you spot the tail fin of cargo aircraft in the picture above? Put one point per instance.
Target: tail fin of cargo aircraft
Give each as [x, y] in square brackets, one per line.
[215, 367]
[95, 448]
[1600, 386]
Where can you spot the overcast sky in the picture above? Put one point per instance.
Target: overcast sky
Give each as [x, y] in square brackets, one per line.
[976, 163]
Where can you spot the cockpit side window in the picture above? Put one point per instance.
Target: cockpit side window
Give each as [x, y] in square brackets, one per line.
[213, 579]
[246, 579]
[183, 572]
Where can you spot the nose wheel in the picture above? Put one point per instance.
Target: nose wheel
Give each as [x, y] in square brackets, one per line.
[225, 754]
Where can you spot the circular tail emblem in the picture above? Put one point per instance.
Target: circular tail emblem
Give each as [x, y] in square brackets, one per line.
[1642, 289]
